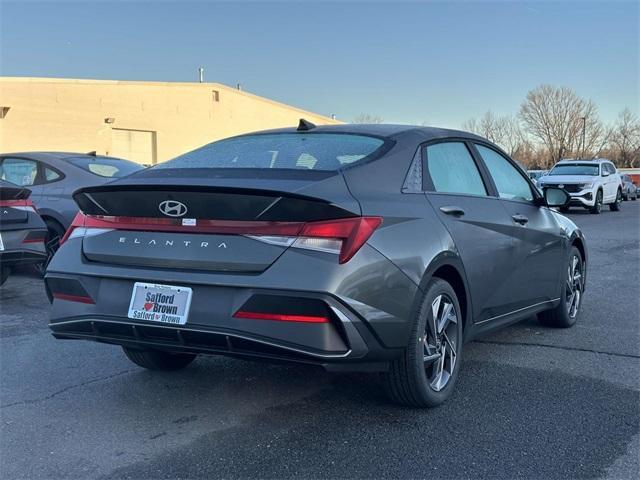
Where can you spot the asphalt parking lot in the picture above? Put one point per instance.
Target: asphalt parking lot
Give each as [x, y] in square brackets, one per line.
[531, 402]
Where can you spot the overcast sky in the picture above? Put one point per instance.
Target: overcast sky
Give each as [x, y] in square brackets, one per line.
[415, 62]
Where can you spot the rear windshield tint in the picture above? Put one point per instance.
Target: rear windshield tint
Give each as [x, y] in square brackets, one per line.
[106, 167]
[300, 151]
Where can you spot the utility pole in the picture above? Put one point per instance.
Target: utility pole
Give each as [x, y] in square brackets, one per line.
[584, 127]
[201, 74]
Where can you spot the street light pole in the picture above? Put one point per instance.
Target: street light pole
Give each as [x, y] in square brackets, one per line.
[584, 127]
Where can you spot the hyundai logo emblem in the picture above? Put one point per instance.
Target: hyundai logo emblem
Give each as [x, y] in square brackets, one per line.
[560, 186]
[173, 208]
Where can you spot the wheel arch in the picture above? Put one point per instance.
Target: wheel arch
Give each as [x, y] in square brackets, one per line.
[51, 215]
[578, 241]
[448, 266]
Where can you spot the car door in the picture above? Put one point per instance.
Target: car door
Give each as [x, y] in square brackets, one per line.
[540, 241]
[610, 183]
[476, 221]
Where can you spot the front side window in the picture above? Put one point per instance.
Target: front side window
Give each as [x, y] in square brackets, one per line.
[299, 151]
[453, 170]
[510, 183]
[19, 171]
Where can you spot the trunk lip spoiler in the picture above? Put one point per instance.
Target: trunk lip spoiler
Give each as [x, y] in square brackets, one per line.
[176, 187]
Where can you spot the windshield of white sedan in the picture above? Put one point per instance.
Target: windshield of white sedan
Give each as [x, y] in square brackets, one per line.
[578, 169]
[281, 151]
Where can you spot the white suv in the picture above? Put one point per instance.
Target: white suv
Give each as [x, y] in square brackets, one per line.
[591, 183]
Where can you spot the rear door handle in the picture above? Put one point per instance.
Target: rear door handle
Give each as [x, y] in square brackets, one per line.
[521, 219]
[453, 211]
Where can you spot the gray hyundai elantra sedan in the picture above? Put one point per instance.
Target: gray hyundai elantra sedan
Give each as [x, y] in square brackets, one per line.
[377, 248]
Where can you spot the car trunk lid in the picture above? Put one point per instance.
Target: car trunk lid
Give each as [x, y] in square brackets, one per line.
[222, 222]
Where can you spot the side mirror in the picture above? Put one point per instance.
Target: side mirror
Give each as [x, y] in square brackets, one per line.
[605, 173]
[556, 197]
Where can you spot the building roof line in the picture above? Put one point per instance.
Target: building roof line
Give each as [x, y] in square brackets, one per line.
[214, 85]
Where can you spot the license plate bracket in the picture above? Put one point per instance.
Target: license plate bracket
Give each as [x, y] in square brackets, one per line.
[153, 302]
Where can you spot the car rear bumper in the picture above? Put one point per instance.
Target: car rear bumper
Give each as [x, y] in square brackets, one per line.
[13, 258]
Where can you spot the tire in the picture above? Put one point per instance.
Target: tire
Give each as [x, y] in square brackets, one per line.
[157, 360]
[55, 233]
[597, 206]
[426, 373]
[566, 313]
[4, 274]
[615, 206]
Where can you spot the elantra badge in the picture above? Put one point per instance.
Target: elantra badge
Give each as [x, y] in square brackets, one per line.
[173, 208]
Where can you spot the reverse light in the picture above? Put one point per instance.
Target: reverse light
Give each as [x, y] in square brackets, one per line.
[86, 232]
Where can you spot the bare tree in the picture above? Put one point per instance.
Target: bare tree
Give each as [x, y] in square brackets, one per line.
[505, 131]
[554, 116]
[367, 118]
[625, 139]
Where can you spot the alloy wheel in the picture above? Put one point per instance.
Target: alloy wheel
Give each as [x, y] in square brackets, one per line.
[441, 342]
[599, 201]
[574, 286]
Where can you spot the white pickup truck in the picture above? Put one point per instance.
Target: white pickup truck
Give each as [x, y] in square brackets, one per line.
[591, 183]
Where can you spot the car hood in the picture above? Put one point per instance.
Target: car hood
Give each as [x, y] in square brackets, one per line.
[555, 179]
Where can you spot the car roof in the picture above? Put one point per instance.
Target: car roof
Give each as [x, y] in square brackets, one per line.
[379, 129]
[595, 161]
[53, 156]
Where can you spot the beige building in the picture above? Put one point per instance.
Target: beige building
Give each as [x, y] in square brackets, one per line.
[147, 122]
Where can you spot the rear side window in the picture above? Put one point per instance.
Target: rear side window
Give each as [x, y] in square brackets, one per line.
[50, 175]
[300, 151]
[452, 169]
[105, 166]
[19, 171]
[510, 183]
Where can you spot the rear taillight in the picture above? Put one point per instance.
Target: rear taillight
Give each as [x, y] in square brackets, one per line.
[78, 221]
[343, 237]
[26, 205]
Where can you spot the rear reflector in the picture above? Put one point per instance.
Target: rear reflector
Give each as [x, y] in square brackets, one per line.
[343, 237]
[73, 298]
[281, 317]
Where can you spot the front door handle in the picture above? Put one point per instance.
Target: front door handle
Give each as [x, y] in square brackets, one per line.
[521, 219]
[451, 210]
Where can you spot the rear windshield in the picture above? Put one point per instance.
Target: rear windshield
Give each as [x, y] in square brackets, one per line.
[301, 151]
[579, 169]
[106, 167]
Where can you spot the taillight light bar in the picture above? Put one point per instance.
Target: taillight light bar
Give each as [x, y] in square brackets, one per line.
[26, 205]
[344, 236]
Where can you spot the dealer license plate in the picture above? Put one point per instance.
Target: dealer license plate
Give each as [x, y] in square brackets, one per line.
[160, 303]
